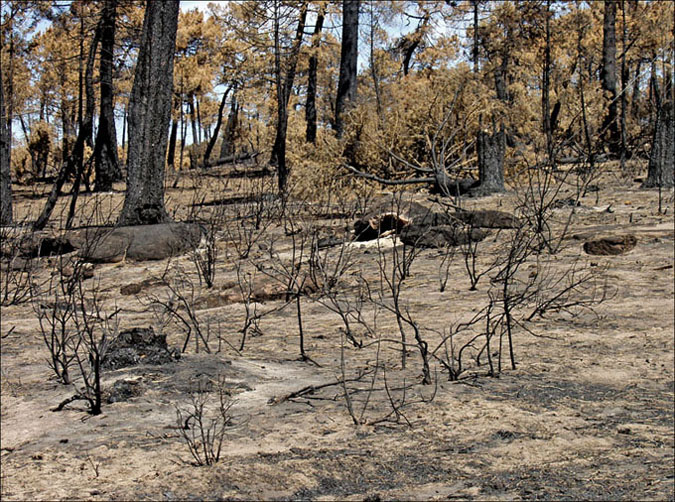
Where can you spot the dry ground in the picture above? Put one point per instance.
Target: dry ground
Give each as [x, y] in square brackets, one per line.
[587, 414]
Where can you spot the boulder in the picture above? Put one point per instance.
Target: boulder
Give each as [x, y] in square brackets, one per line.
[137, 243]
[611, 246]
[367, 229]
[418, 235]
[123, 390]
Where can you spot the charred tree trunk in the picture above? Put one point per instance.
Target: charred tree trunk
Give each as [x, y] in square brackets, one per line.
[149, 116]
[171, 154]
[6, 215]
[227, 146]
[346, 91]
[500, 80]
[219, 121]
[608, 77]
[74, 164]
[310, 107]
[283, 95]
[546, 87]
[106, 162]
[87, 126]
[491, 149]
[662, 157]
[474, 49]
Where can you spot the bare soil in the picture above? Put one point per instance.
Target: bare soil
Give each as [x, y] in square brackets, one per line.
[587, 414]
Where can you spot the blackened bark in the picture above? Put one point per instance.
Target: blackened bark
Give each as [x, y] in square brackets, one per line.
[346, 91]
[474, 49]
[219, 121]
[608, 76]
[149, 116]
[171, 154]
[500, 78]
[227, 146]
[106, 162]
[5, 152]
[74, 163]
[193, 118]
[662, 157]
[491, 149]
[87, 126]
[310, 107]
[546, 87]
[283, 95]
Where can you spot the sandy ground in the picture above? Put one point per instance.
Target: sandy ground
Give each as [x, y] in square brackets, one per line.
[587, 414]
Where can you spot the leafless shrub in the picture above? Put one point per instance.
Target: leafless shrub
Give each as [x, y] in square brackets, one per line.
[204, 430]
[212, 217]
[290, 270]
[394, 266]
[16, 272]
[328, 269]
[178, 307]
[252, 312]
[523, 285]
[76, 330]
[250, 218]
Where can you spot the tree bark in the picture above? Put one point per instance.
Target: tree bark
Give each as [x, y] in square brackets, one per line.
[491, 149]
[219, 121]
[6, 215]
[310, 107]
[149, 116]
[87, 126]
[662, 157]
[74, 163]
[546, 87]
[346, 91]
[106, 162]
[227, 146]
[171, 154]
[608, 76]
[474, 49]
[283, 95]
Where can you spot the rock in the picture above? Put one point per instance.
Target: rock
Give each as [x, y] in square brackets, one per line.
[487, 218]
[137, 243]
[123, 390]
[329, 241]
[373, 227]
[391, 214]
[611, 246]
[440, 236]
[138, 346]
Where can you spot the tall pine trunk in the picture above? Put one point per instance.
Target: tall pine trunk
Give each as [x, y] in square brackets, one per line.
[219, 121]
[149, 116]
[662, 157]
[283, 96]
[227, 146]
[310, 107]
[491, 148]
[106, 162]
[346, 91]
[5, 152]
[74, 163]
[608, 77]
